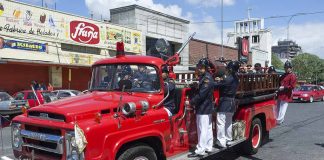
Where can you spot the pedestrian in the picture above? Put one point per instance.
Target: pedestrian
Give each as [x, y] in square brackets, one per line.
[287, 84]
[50, 87]
[227, 106]
[203, 102]
[34, 85]
[169, 91]
[258, 68]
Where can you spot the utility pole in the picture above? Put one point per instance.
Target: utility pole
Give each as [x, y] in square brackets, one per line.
[222, 29]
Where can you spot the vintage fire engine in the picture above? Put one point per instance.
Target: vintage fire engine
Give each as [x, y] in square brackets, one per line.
[126, 120]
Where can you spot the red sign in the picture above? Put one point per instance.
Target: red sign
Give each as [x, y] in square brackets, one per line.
[84, 32]
[245, 47]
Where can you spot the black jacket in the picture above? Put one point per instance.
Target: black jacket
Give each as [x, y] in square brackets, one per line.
[203, 101]
[169, 103]
[227, 91]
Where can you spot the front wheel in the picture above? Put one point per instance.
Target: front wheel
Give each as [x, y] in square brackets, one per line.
[251, 145]
[141, 152]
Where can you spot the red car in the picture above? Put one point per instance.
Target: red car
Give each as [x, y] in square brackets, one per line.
[308, 93]
[29, 96]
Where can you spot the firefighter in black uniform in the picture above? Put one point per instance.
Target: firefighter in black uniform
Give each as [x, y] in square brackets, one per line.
[169, 91]
[227, 88]
[203, 102]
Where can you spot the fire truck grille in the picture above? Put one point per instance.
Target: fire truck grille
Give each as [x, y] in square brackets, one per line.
[49, 116]
[42, 139]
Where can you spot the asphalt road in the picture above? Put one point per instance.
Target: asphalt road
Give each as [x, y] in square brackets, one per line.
[301, 137]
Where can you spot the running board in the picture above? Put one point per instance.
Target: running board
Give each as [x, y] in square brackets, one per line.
[184, 156]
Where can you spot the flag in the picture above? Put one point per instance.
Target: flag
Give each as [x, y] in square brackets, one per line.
[80, 139]
[4, 122]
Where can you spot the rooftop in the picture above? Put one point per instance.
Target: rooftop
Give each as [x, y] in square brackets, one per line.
[135, 6]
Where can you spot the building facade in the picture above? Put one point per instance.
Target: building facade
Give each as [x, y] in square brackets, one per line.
[286, 49]
[155, 25]
[259, 39]
[202, 49]
[49, 46]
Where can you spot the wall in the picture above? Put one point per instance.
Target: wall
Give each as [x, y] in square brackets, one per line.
[197, 50]
[17, 77]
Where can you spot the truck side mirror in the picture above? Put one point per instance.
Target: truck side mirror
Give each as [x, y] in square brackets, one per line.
[126, 83]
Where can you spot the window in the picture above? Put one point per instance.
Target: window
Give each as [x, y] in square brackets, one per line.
[19, 96]
[31, 95]
[4, 97]
[255, 39]
[80, 49]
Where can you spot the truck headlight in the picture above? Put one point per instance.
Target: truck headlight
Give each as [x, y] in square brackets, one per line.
[16, 138]
[129, 108]
[71, 148]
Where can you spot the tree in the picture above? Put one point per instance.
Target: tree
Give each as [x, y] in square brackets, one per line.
[308, 67]
[276, 62]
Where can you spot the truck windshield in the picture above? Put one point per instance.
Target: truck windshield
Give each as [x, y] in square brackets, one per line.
[143, 78]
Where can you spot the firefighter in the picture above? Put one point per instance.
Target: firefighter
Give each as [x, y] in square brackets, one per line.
[141, 77]
[227, 88]
[287, 84]
[203, 102]
[169, 91]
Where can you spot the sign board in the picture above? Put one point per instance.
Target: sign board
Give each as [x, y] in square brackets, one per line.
[243, 49]
[40, 47]
[21, 22]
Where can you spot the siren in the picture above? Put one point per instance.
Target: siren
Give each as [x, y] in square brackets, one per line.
[120, 49]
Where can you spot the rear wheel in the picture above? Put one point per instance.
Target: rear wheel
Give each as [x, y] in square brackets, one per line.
[311, 99]
[140, 152]
[254, 142]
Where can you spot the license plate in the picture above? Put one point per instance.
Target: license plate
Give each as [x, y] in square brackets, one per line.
[295, 97]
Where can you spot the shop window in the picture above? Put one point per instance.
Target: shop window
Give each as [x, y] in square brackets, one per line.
[80, 49]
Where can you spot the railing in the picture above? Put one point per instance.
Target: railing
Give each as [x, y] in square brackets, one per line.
[249, 84]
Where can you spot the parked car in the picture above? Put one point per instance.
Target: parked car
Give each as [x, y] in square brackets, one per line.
[308, 93]
[64, 93]
[9, 106]
[29, 96]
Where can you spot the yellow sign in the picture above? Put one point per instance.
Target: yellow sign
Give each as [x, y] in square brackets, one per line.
[81, 59]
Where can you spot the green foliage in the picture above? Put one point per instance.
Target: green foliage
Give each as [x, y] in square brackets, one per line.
[276, 62]
[309, 67]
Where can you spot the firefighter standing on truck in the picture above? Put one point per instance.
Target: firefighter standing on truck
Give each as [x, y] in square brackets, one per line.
[227, 88]
[169, 91]
[204, 109]
[287, 84]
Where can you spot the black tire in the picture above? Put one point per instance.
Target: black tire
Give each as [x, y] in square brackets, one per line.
[253, 143]
[141, 152]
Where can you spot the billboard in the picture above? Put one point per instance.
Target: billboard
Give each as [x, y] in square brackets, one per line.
[25, 22]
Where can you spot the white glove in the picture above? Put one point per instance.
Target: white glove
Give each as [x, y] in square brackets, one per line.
[281, 88]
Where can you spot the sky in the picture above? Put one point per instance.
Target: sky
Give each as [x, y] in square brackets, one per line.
[306, 30]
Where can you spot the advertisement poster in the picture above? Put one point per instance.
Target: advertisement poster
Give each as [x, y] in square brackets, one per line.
[131, 38]
[40, 47]
[39, 24]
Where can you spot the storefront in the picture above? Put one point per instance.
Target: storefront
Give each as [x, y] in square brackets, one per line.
[54, 47]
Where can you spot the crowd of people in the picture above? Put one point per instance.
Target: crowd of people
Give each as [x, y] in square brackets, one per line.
[41, 86]
[227, 86]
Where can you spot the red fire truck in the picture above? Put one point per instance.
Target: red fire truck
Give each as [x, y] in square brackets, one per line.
[126, 120]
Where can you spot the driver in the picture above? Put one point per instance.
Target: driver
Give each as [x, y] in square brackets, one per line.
[169, 91]
[141, 77]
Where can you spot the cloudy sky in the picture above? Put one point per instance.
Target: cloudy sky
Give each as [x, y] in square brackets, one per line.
[307, 30]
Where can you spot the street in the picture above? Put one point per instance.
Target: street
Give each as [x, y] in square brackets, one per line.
[300, 137]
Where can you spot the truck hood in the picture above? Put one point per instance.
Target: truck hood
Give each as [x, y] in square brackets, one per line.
[84, 106]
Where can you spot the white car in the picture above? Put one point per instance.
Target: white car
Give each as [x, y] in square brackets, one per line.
[64, 93]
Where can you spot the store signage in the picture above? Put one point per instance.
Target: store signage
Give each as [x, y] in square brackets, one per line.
[40, 47]
[84, 32]
[245, 47]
